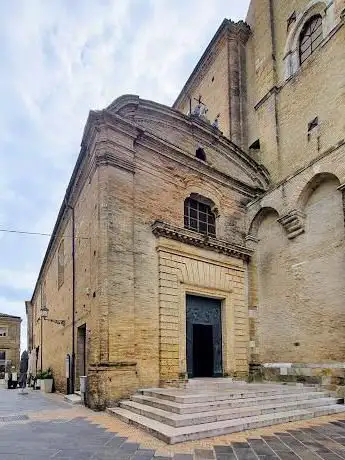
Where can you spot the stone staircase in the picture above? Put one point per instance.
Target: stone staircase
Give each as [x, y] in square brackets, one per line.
[214, 407]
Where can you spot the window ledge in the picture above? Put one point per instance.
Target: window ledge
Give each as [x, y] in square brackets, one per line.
[184, 235]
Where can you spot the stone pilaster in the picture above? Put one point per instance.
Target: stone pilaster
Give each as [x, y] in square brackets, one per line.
[251, 243]
[238, 36]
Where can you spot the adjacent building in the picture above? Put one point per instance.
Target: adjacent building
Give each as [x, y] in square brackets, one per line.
[9, 341]
[207, 238]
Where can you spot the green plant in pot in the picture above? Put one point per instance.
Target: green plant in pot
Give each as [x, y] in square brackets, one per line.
[47, 380]
[38, 380]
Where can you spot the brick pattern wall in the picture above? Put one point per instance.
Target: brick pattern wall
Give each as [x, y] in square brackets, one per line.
[11, 343]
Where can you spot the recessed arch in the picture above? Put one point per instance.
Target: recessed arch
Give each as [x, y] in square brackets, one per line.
[313, 7]
[324, 8]
[259, 218]
[312, 185]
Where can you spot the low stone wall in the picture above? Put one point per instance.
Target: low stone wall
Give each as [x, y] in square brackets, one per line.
[330, 375]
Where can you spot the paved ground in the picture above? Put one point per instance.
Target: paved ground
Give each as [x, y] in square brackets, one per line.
[37, 427]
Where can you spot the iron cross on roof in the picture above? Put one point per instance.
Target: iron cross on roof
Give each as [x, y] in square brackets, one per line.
[199, 101]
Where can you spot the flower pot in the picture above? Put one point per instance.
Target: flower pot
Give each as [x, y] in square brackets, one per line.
[47, 385]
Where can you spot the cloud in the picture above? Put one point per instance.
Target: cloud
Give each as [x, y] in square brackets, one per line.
[61, 59]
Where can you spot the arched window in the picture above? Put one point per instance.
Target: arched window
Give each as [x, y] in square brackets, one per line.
[310, 38]
[198, 216]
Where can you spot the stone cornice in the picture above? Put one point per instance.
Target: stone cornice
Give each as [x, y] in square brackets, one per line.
[286, 180]
[141, 112]
[186, 236]
[110, 159]
[273, 90]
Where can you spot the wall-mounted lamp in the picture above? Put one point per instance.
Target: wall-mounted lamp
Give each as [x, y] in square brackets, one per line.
[44, 315]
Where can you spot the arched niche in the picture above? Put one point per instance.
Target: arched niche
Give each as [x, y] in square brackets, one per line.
[324, 8]
[313, 184]
[259, 218]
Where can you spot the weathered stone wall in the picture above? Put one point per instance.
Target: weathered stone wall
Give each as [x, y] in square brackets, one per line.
[11, 343]
[286, 101]
[143, 327]
[220, 79]
[57, 339]
[213, 86]
[297, 288]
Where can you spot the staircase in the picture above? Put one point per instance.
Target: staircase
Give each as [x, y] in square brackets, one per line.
[214, 407]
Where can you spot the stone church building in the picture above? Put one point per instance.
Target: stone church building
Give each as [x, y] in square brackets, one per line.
[207, 238]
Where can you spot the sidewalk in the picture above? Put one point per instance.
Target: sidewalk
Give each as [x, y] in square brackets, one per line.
[39, 426]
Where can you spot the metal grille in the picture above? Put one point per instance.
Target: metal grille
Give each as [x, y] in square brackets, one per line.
[311, 37]
[199, 217]
[13, 418]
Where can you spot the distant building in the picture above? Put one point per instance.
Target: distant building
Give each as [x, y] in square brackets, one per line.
[209, 237]
[9, 341]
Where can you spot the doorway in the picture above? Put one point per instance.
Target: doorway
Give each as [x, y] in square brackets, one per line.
[202, 350]
[204, 337]
[81, 354]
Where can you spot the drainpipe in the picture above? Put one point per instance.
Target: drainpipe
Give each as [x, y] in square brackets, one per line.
[72, 387]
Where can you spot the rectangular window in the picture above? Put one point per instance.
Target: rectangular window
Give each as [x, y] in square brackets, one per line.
[2, 355]
[61, 264]
[199, 217]
[3, 331]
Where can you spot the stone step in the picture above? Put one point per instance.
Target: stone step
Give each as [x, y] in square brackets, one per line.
[73, 398]
[173, 435]
[180, 408]
[178, 420]
[188, 397]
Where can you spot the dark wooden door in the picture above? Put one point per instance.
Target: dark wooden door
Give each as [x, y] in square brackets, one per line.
[204, 337]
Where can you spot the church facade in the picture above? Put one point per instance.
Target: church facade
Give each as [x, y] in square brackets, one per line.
[207, 239]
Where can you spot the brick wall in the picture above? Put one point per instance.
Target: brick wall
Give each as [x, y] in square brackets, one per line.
[279, 108]
[11, 343]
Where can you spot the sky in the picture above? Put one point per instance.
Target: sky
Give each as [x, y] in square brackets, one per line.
[58, 60]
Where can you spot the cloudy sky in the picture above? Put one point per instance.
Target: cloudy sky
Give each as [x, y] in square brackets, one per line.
[58, 60]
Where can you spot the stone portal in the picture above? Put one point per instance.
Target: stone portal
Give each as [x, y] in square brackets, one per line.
[204, 337]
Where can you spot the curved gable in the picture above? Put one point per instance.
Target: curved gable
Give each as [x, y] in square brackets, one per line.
[186, 134]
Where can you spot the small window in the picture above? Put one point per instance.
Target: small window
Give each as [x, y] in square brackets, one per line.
[2, 355]
[199, 217]
[311, 37]
[61, 264]
[3, 331]
[255, 145]
[200, 153]
[313, 124]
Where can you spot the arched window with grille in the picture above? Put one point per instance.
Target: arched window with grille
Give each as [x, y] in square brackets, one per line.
[310, 37]
[199, 217]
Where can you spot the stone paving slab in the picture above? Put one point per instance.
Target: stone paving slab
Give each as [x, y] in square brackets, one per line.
[53, 429]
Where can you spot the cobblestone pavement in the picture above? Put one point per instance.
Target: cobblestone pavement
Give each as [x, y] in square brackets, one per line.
[38, 426]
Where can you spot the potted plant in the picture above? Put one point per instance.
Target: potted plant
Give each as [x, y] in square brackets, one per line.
[37, 382]
[47, 381]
